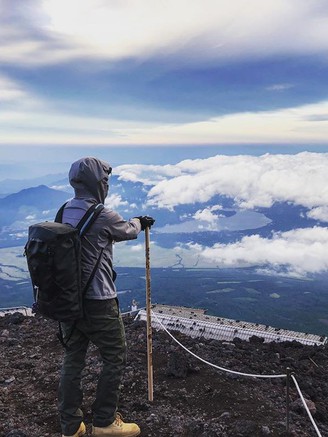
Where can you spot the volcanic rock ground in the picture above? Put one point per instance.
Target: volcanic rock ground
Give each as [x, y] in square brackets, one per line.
[190, 398]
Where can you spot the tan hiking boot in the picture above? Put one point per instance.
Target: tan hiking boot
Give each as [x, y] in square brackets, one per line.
[81, 431]
[117, 429]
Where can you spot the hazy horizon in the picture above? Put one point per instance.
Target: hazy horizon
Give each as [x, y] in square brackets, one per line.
[26, 162]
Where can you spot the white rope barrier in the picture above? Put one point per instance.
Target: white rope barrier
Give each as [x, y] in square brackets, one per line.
[305, 406]
[220, 368]
[211, 364]
[243, 374]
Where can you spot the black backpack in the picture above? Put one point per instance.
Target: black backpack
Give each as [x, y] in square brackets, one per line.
[53, 253]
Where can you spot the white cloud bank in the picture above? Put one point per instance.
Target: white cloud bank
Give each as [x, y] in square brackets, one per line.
[320, 213]
[253, 181]
[296, 253]
[114, 201]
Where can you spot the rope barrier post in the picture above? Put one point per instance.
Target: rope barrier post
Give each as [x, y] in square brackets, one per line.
[287, 398]
[305, 405]
[149, 328]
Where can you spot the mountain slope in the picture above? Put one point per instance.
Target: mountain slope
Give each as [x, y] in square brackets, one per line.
[29, 201]
[9, 186]
[190, 398]
[41, 197]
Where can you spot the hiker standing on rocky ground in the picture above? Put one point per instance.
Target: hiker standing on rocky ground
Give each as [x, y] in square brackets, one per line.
[102, 323]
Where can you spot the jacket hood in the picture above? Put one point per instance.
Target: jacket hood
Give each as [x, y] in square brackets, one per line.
[89, 177]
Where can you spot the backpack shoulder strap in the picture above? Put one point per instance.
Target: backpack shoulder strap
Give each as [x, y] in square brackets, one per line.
[89, 217]
[86, 221]
[59, 215]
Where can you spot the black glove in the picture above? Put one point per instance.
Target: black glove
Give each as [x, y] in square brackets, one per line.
[146, 221]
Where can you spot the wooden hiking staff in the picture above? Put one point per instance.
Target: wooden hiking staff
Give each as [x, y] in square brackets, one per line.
[148, 309]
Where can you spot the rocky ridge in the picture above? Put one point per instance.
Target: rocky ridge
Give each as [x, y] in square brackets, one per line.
[190, 398]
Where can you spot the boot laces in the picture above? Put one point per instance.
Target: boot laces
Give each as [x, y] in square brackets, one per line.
[119, 420]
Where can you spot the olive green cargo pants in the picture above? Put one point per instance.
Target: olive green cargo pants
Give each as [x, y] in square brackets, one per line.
[102, 326]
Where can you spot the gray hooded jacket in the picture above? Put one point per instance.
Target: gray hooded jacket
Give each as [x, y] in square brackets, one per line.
[89, 178]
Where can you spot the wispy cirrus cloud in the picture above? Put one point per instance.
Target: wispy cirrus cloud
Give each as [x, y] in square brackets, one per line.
[193, 31]
[10, 91]
[280, 87]
[302, 125]
[292, 125]
[154, 73]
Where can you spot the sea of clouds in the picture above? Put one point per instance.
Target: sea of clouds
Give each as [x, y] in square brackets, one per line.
[252, 181]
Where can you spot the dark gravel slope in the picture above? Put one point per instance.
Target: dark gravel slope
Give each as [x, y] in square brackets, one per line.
[190, 398]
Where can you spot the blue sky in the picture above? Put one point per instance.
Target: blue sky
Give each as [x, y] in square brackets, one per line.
[149, 84]
[200, 72]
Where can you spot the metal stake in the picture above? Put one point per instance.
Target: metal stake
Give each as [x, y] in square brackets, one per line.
[149, 328]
